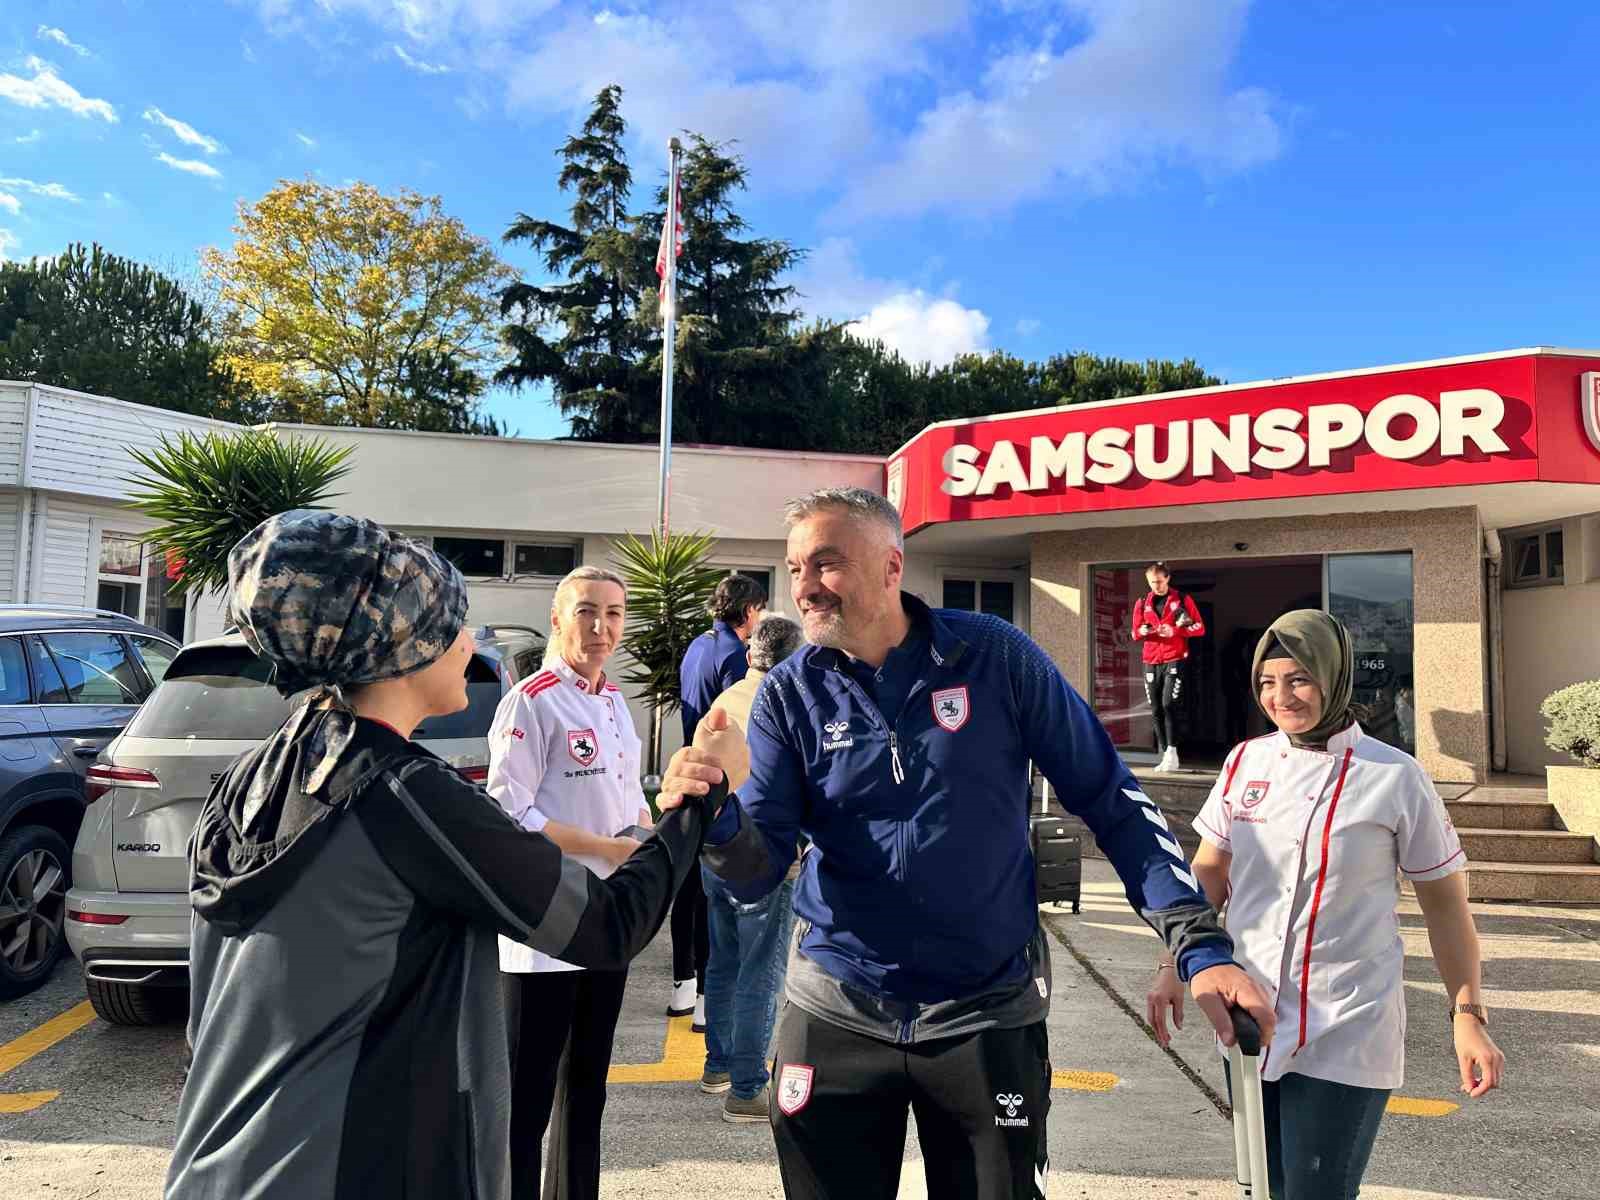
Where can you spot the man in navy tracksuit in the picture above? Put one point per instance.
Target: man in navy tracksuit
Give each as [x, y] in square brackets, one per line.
[899, 743]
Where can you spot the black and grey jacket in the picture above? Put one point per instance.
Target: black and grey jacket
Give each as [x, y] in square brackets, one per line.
[346, 1014]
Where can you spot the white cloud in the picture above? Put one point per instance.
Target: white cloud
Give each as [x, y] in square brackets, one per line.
[183, 131]
[246, 51]
[49, 191]
[111, 199]
[310, 143]
[48, 90]
[1146, 87]
[421, 21]
[922, 326]
[58, 36]
[1028, 326]
[194, 166]
[8, 243]
[10, 203]
[27, 139]
[417, 64]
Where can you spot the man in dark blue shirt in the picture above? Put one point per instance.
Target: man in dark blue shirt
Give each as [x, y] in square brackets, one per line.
[899, 742]
[715, 661]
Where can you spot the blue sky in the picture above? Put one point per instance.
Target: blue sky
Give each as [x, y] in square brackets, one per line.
[1270, 189]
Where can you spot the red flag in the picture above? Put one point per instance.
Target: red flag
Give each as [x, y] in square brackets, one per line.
[674, 224]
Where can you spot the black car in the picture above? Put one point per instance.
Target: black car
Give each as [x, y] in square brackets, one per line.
[70, 679]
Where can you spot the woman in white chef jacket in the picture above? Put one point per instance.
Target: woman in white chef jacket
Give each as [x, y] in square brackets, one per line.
[1302, 838]
[564, 760]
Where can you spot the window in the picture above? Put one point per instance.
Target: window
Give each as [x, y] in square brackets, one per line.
[156, 656]
[997, 597]
[216, 693]
[762, 575]
[90, 668]
[13, 672]
[1372, 595]
[165, 608]
[539, 558]
[120, 576]
[476, 558]
[1535, 559]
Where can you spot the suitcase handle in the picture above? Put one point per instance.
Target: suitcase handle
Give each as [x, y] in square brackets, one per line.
[1246, 1032]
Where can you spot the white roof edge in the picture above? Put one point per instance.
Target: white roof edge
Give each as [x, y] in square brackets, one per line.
[65, 391]
[636, 447]
[1281, 381]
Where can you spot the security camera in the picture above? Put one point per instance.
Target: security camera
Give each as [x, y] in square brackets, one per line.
[1241, 547]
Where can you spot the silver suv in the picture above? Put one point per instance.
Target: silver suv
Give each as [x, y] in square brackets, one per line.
[128, 910]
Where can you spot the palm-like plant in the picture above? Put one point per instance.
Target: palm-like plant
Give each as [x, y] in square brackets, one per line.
[212, 489]
[669, 588]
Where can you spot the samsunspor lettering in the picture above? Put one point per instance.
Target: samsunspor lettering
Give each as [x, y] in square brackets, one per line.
[1402, 427]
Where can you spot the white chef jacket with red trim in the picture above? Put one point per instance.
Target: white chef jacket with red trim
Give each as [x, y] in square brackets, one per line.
[1316, 840]
[559, 752]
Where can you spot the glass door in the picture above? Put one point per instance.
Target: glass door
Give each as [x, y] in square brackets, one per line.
[1372, 595]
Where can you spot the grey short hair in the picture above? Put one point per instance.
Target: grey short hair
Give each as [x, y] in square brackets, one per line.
[773, 640]
[858, 502]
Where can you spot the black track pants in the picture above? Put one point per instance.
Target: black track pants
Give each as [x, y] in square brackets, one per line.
[1163, 687]
[839, 1104]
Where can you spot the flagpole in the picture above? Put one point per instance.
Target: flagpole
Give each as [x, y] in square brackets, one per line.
[668, 336]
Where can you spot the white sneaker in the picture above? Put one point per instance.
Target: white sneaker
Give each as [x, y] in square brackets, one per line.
[698, 1025]
[682, 1002]
[1165, 764]
[1172, 760]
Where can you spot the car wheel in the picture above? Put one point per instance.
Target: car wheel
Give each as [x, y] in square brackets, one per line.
[134, 1003]
[34, 862]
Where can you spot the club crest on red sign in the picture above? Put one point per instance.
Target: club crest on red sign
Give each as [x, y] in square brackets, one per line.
[583, 747]
[950, 707]
[794, 1088]
[1590, 401]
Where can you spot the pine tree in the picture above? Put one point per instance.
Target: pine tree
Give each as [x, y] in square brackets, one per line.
[594, 365]
[737, 357]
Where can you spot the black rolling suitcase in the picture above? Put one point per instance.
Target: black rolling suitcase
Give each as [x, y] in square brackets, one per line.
[1057, 856]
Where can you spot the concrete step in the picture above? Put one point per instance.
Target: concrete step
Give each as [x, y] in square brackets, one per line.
[1526, 845]
[1502, 812]
[1547, 883]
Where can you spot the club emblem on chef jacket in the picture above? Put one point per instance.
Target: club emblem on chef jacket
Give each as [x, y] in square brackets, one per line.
[1254, 793]
[583, 747]
[950, 708]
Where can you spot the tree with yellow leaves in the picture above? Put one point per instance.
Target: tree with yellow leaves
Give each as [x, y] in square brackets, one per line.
[352, 307]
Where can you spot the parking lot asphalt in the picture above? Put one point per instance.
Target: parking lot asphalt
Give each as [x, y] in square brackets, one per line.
[88, 1109]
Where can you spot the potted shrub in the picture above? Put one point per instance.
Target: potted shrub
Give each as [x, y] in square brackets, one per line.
[1574, 729]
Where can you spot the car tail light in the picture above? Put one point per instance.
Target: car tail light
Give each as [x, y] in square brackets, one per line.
[89, 918]
[474, 774]
[102, 778]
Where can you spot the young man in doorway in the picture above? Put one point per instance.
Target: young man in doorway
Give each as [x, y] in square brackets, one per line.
[1164, 620]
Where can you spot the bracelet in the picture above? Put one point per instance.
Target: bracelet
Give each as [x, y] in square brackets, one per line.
[1160, 966]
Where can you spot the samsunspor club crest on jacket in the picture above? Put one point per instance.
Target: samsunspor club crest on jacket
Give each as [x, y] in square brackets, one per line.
[951, 707]
[582, 745]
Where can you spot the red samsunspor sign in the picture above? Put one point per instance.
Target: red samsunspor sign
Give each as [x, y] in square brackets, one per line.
[1493, 420]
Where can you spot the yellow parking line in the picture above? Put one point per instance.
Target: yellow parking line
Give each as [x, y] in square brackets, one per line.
[1411, 1106]
[683, 1058]
[37, 1041]
[21, 1102]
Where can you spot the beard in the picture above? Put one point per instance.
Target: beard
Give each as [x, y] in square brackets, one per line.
[825, 628]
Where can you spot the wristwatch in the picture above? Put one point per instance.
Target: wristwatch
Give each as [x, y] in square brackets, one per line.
[1472, 1010]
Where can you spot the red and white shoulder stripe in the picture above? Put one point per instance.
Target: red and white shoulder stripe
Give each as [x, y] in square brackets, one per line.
[542, 682]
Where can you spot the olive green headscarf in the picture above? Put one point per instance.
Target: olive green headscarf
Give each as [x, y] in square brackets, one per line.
[1321, 645]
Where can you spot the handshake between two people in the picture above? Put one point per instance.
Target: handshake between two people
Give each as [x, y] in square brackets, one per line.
[719, 754]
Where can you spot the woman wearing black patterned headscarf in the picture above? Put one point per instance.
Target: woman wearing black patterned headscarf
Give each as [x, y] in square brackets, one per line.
[346, 1014]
